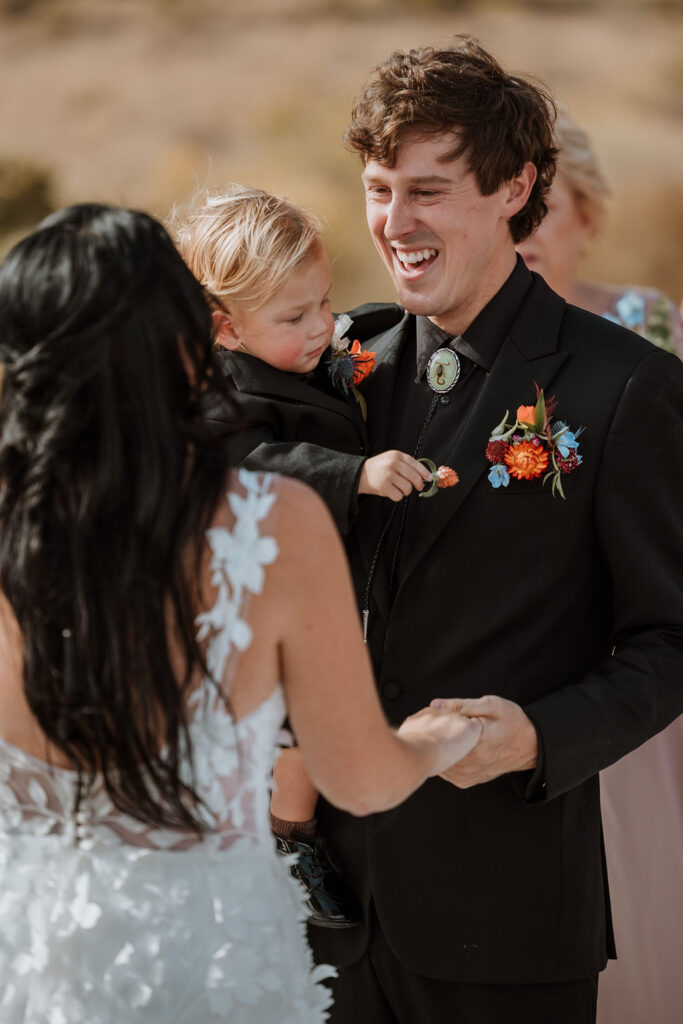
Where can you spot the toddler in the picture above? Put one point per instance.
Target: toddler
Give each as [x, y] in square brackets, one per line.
[265, 269]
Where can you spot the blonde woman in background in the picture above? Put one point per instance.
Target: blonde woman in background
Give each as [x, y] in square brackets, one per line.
[576, 210]
[641, 795]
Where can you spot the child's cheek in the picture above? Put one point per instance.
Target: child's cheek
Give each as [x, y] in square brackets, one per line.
[291, 352]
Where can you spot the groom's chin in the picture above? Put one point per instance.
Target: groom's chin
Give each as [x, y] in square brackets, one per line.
[413, 305]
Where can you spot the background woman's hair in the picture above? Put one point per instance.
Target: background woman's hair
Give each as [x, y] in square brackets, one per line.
[109, 475]
[500, 121]
[243, 244]
[578, 165]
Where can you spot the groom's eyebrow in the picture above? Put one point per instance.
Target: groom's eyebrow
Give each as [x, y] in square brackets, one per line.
[430, 179]
[424, 179]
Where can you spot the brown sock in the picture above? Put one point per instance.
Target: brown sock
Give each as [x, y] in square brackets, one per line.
[284, 829]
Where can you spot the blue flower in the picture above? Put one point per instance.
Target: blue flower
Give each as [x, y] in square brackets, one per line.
[631, 309]
[566, 441]
[612, 318]
[498, 475]
[340, 369]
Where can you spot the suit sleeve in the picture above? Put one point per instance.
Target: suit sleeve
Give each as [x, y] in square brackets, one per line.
[334, 475]
[638, 689]
[255, 429]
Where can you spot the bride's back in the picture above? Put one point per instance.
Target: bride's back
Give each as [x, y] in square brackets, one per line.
[138, 878]
[109, 477]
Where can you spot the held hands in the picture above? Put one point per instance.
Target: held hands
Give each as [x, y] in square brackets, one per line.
[508, 742]
[392, 475]
[442, 734]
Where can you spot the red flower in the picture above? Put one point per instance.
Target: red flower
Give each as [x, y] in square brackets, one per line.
[495, 451]
[363, 363]
[566, 465]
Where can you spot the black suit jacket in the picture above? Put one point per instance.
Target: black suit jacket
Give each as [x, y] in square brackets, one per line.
[573, 609]
[290, 426]
[301, 428]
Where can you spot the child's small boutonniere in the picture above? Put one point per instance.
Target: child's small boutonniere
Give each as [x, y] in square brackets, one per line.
[348, 366]
[534, 445]
[442, 476]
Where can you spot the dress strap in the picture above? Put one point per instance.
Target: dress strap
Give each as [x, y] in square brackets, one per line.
[238, 557]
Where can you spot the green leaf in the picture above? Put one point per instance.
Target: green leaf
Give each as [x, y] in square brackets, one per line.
[429, 493]
[431, 466]
[539, 413]
[361, 402]
[500, 429]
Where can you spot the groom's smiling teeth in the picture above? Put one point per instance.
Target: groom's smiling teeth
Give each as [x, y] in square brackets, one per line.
[414, 255]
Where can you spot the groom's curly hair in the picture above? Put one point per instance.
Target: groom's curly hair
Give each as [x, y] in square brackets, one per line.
[501, 121]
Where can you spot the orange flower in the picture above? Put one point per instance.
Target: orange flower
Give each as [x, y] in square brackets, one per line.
[526, 460]
[526, 414]
[446, 477]
[363, 363]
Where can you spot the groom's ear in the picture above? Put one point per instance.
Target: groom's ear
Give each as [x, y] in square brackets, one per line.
[516, 192]
[224, 331]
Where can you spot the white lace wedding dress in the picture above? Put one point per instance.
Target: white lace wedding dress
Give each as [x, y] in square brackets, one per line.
[105, 920]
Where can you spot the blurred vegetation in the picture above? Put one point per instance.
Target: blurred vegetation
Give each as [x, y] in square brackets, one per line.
[145, 102]
[26, 194]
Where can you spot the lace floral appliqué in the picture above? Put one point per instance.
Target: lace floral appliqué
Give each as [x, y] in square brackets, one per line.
[106, 920]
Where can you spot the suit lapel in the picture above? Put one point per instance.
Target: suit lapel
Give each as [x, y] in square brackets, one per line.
[378, 389]
[255, 377]
[529, 354]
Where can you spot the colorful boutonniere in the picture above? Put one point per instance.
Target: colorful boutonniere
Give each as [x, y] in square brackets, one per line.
[534, 445]
[442, 476]
[348, 365]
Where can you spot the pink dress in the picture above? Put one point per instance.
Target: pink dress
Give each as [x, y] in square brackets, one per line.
[642, 811]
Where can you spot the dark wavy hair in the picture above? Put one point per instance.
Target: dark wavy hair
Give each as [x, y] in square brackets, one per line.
[501, 121]
[109, 474]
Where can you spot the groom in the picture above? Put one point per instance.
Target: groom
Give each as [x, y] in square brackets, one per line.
[485, 894]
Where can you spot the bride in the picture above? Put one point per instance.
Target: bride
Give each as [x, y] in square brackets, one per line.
[160, 614]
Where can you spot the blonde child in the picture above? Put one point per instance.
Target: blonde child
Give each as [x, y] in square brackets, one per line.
[262, 262]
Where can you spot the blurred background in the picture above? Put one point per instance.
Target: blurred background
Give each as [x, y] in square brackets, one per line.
[142, 102]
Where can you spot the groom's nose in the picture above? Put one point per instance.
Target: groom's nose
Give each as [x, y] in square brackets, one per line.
[400, 220]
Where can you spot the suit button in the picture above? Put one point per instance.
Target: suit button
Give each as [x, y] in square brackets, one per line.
[392, 689]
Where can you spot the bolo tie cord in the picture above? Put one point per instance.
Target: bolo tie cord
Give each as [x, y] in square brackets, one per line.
[403, 505]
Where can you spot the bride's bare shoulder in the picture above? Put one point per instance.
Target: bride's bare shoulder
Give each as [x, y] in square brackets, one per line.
[303, 526]
[298, 520]
[300, 505]
[296, 509]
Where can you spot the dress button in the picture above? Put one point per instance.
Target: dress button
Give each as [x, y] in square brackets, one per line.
[392, 689]
[444, 399]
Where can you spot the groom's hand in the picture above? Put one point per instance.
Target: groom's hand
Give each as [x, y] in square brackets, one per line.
[508, 742]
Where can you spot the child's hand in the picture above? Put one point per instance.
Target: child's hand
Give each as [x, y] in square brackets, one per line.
[392, 475]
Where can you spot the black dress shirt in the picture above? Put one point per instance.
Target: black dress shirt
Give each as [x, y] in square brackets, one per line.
[415, 406]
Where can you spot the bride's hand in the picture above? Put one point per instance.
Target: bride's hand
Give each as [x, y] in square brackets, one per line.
[445, 735]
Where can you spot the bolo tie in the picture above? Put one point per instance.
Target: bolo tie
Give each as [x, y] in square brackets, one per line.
[442, 374]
